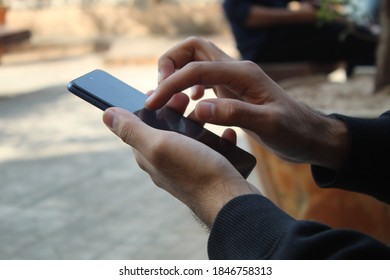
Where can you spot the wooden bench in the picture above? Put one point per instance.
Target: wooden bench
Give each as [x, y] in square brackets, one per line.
[11, 36]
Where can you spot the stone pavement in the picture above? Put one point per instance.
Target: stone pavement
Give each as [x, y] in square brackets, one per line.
[69, 188]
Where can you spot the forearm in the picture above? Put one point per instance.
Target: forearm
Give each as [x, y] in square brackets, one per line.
[208, 201]
[328, 141]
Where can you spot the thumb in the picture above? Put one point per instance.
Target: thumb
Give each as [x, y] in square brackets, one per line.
[127, 126]
[228, 112]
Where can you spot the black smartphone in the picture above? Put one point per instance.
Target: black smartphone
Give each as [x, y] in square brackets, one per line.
[104, 90]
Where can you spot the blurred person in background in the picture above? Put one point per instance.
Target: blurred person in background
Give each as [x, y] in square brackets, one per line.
[279, 31]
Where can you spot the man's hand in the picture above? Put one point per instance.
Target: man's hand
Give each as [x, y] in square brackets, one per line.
[192, 172]
[248, 98]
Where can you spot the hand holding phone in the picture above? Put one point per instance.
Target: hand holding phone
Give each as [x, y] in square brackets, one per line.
[103, 90]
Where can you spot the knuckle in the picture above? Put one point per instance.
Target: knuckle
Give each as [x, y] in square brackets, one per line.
[196, 70]
[158, 151]
[194, 40]
[235, 111]
[155, 154]
[126, 132]
[193, 66]
[193, 69]
[162, 60]
[140, 160]
[250, 65]
[276, 121]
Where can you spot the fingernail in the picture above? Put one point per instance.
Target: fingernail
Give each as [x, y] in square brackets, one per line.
[148, 100]
[159, 76]
[193, 91]
[109, 118]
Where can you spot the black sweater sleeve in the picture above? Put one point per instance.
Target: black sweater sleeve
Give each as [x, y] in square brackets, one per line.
[252, 227]
[367, 168]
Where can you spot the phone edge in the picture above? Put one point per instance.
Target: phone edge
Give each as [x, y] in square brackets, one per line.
[97, 102]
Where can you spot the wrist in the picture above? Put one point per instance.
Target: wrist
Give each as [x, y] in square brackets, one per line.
[331, 143]
[210, 200]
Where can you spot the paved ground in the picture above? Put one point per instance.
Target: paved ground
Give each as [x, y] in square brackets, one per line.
[69, 189]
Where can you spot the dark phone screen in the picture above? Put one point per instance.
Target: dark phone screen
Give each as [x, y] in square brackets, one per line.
[103, 90]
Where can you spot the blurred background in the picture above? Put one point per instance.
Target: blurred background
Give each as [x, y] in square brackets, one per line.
[69, 188]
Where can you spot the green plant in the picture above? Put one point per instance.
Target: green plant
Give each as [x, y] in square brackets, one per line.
[330, 10]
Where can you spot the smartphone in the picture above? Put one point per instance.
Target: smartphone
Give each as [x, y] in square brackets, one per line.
[104, 90]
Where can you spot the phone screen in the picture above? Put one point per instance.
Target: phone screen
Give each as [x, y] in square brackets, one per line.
[104, 90]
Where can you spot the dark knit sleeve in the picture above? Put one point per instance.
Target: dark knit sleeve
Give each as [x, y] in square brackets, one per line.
[367, 168]
[248, 227]
[252, 227]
